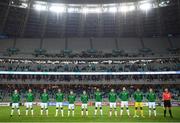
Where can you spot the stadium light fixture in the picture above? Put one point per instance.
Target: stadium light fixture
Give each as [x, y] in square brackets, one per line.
[112, 9]
[40, 7]
[145, 6]
[72, 10]
[126, 8]
[91, 10]
[57, 9]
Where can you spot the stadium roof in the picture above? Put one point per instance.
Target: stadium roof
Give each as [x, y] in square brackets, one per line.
[89, 18]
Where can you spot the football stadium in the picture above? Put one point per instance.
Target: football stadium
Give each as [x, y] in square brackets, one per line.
[89, 60]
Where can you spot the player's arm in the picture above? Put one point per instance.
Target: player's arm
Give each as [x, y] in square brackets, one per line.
[63, 96]
[12, 98]
[147, 96]
[163, 96]
[120, 96]
[48, 97]
[40, 97]
[55, 97]
[108, 96]
[142, 96]
[81, 98]
[155, 97]
[134, 96]
[33, 97]
[18, 97]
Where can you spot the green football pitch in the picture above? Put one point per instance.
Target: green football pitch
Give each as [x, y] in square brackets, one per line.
[5, 116]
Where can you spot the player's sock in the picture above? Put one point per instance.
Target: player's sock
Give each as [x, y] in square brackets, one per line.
[135, 112]
[170, 113]
[62, 113]
[115, 112]
[41, 111]
[101, 111]
[149, 112]
[121, 111]
[56, 111]
[68, 112]
[47, 111]
[95, 112]
[19, 112]
[12, 111]
[164, 112]
[110, 112]
[86, 111]
[142, 115]
[73, 112]
[82, 112]
[127, 109]
[26, 111]
[154, 112]
[32, 111]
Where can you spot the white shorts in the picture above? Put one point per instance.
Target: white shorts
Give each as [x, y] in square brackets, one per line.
[152, 104]
[112, 104]
[15, 105]
[29, 104]
[44, 105]
[124, 103]
[71, 106]
[59, 104]
[98, 104]
[84, 106]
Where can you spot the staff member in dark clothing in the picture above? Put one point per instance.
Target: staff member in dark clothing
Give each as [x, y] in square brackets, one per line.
[167, 102]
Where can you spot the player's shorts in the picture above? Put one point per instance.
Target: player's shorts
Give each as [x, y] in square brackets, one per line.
[71, 106]
[29, 104]
[84, 106]
[59, 104]
[112, 104]
[138, 104]
[44, 105]
[124, 103]
[98, 104]
[15, 105]
[152, 104]
[167, 103]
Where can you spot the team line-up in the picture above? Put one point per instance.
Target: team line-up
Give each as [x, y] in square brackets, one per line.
[112, 96]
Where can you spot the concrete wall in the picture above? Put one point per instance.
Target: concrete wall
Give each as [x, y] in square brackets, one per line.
[130, 45]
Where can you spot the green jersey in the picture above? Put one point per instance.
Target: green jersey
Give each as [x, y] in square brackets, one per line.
[98, 96]
[44, 97]
[112, 97]
[71, 98]
[29, 97]
[124, 96]
[59, 97]
[15, 98]
[84, 98]
[151, 96]
[138, 96]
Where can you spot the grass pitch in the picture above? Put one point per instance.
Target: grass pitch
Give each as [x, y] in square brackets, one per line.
[5, 116]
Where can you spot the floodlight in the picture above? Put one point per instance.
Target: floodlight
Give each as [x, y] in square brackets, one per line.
[112, 9]
[57, 9]
[123, 9]
[85, 10]
[91, 10]
[145, 6]
[40, 7]
[71, 10]
[127, 8]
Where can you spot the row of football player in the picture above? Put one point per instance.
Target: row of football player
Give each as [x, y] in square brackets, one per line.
[124, 96]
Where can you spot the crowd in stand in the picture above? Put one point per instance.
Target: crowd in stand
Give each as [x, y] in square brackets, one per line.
[85, 66]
